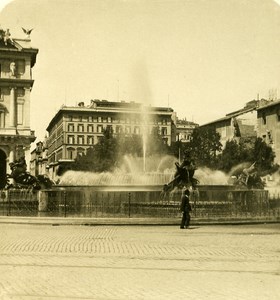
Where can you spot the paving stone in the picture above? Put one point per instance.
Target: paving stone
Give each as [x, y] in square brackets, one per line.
[139, 262]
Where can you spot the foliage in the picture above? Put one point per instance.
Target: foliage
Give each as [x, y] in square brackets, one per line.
[248, 150]
[101, 157]
[204, 146]
[264, 156]
[235, 153]
[108, 152]
[155, 143]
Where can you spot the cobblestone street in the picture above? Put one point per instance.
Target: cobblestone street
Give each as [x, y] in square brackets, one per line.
[139, 262]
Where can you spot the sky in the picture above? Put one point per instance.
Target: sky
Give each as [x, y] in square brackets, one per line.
[203, 58]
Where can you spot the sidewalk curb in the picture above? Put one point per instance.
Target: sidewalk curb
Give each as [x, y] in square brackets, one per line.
[56, 221]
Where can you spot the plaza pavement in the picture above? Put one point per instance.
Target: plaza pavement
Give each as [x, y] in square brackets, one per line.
[138, 262]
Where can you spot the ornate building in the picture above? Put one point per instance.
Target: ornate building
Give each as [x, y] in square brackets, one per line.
[74, 129]
[17, 57]
[184, 130]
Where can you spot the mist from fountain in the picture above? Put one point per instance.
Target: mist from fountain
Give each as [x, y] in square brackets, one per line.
[129, 173]
[158, 171]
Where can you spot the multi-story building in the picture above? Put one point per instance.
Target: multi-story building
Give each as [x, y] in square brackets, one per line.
[74, 129]
[239, 124]
[269, 126]
[184, 130]
[17, 58]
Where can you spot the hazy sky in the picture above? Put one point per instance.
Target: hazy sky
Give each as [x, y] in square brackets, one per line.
[203, 58]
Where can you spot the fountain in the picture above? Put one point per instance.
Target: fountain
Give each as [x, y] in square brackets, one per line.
[130, 192]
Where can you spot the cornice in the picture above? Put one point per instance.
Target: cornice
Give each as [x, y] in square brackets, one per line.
[16, 82]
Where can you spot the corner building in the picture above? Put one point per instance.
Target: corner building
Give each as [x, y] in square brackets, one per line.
[75, 129]
[17, 58]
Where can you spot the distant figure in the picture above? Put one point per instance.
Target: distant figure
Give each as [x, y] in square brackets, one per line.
[185, 209]
[13, 69]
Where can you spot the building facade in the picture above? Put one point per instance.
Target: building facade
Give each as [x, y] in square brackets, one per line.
[184, 130]
[75, 129]
[237, 125]
[269, 126]
[17, 58]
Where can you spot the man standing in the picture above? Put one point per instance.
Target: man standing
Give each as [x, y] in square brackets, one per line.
[185, 209]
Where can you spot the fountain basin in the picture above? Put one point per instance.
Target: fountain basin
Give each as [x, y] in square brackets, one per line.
[148, 201]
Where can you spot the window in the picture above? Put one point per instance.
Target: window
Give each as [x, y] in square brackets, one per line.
[71, 127]
[264, 118]
[70, 118]
[109, 120]
[80, 128]
[127, 130]
[71, 153]
[90, 119]
[119, 129]
[80, 139]
[164, 131]
[90, 140]
[99, 119]
[99, 128]
[71, 139]
[80, 118]
[90, 128]
[136, 130]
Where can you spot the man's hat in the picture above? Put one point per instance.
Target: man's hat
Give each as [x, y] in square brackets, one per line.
[187, 192]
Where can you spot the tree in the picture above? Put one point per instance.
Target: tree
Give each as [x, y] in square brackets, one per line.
[250, 150]
[131, 144]
[205, 146]
[264, 156]
[102, 156]
[230, 156]
[109, 151]
[236, 152]
[156, 144]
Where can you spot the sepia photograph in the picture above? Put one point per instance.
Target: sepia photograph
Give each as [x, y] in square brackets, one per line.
[139, 149]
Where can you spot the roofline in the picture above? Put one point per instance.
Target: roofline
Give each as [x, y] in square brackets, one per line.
[273, 103]
[231, 115]
[117, 110]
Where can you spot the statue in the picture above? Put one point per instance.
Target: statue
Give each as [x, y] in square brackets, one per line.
[183, 176]
[25, 180]
[13, 69]
[5, 35]
[27, 32]
[249, 178]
